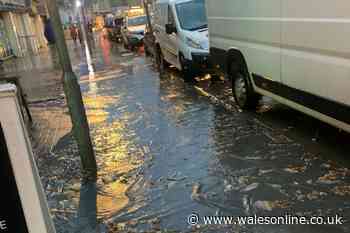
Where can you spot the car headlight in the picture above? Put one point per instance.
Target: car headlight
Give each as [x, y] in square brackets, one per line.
[193, 44]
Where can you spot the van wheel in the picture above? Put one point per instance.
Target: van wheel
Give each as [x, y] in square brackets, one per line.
[186, 69]
[243, 93]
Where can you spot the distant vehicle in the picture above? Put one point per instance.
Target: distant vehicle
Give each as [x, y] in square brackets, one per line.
[135, 11]
[181, 32]
[294, 52]
[114, 27]
[134, 31]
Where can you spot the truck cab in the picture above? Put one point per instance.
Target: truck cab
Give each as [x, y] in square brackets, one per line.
[134, 31]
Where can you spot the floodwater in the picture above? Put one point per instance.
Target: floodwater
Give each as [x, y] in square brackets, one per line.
[167, 149]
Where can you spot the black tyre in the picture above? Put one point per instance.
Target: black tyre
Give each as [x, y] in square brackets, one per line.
[243, 92]
[187, 72]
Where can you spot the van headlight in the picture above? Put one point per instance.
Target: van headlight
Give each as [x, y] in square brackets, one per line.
[193, 44]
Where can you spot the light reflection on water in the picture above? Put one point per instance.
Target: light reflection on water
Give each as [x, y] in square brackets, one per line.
[112, 200]
[95, 106]
[117, 152]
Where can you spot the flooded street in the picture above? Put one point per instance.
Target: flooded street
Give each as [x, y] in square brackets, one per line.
[167, 149]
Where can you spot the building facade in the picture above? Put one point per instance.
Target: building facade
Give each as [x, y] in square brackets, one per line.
[10, 44]
[21, 29]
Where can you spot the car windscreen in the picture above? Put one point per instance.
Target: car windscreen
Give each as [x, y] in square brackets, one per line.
[192, 15]
[135, 21]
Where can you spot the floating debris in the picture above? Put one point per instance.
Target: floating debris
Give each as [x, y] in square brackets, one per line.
[330, 178]
[262, 172]
[342, 190]
[176, 176]
[295, 169]
[250, 187]
[228, 188]
[309, 182]
[315, 195]
[264, 205]
[196, 195]
[270, 205]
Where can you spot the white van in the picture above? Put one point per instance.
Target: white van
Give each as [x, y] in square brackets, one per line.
[295, 51]
[134, 31]
[181, 33]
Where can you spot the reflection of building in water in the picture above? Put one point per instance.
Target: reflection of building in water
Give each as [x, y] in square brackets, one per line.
[96, 106]
[117, 151]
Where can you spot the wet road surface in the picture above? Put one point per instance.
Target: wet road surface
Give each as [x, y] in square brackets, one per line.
[167, 149]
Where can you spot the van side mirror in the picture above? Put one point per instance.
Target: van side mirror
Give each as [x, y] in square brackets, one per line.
[170, 28]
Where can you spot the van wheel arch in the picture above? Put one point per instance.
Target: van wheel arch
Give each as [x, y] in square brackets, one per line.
[237, 69]
[235, 61]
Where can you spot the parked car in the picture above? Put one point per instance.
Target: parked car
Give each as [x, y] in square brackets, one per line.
[134, 31]
[294, 52]
[181, 33]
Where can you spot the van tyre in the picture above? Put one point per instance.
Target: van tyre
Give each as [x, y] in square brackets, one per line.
[187, 72]
[243, 93]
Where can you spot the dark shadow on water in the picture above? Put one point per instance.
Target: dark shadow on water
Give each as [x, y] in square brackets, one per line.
[87, 212]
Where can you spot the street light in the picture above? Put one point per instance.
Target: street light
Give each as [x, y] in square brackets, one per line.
[78, 3]
[86, 39]
[74, 98]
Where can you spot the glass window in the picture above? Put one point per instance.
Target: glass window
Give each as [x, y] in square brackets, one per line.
[135, 21]
[192, 15]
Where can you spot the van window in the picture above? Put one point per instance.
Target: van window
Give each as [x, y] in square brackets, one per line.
[136, 21]
[192, 15]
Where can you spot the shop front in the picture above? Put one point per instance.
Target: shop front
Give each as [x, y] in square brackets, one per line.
[5, 46]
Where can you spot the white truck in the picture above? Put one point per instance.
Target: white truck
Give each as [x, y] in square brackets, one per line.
[134, 31]
[295, 51]
[181, 33]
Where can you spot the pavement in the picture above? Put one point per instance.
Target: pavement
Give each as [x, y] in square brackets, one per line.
[167, 149]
